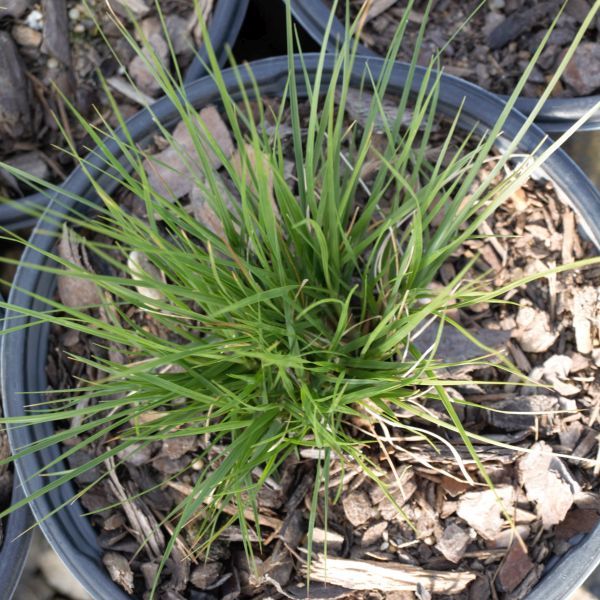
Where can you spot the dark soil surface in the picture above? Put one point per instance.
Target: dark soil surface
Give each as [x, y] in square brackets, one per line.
[496, 45]
[459, 545]
[51, 54]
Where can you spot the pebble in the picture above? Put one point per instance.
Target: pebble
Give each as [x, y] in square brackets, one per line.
[26, 36]
[535, 333]
[583, 72]
[35, 20]
[578, 9]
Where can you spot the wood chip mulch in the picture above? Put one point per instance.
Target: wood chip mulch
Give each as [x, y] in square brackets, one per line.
[495, 46]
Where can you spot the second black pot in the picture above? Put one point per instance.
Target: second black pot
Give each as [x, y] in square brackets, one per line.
[556, 116]
[24, 352]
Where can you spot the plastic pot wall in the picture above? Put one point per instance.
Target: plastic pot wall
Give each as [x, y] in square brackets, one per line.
[15, 543]
[223, 31]
[557, 115]
[15, 546]
[24, 352]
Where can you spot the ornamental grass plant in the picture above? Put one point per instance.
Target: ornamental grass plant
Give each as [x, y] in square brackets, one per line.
[278, 317]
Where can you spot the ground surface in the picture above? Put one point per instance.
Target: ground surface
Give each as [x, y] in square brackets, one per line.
[46, 578]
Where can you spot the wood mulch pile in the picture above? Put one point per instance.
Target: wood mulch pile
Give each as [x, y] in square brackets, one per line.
[55, 48]
[496, 45]
[453, 540]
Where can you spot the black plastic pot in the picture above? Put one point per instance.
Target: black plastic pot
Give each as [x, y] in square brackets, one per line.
[223, 30]
[557, 115]
[24, 353]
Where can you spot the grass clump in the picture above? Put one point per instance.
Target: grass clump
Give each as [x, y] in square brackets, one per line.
[292, 324]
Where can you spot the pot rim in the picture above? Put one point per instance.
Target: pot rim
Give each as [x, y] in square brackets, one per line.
[71, 534]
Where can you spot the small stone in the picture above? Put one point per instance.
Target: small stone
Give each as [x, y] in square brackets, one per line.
[205, 575]
[169, 466]
[571, 435]
[492, 20]
[179, 33]
[515, 567]
[480, 589]
[578, 9]
[534, 332]
[583, 72]
[453, 543]
[136, 455]
[357, 508]
[35, 20]
[555, 370]
[115, 521]
[130, 8]
[25, 36]
[31, 162]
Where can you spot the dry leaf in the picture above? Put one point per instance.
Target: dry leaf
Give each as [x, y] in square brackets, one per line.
[548, 483]
[141, 268]
[76, 292]
[170, 172]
